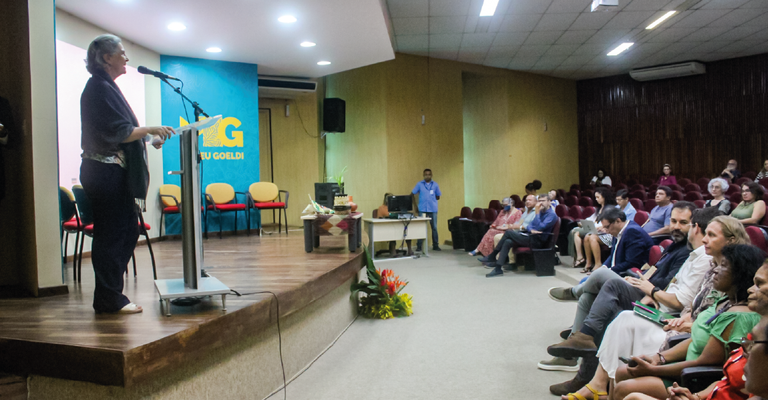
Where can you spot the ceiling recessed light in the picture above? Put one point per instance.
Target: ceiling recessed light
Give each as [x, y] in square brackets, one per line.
[213, 50]
[287, 19]
[308, 44]
[489, 8]
[620, 49]
[323, 63]
[660, 20]
[176, 26]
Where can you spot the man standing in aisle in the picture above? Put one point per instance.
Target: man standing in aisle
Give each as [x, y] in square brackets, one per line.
[428, 192]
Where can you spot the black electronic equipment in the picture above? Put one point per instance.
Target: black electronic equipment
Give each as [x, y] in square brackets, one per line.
[334, 115]
[324, 193]
[400, 204]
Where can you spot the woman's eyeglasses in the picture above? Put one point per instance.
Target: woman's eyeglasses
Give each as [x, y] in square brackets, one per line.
[747, 343]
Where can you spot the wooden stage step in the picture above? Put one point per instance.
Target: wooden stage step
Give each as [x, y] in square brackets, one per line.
[62, 337]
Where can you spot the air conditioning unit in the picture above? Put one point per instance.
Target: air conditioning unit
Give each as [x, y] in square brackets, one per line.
[605, 5]
[285, 88]
[668, 71]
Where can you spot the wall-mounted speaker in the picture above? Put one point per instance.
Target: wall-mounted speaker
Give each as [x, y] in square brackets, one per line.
[334, 115]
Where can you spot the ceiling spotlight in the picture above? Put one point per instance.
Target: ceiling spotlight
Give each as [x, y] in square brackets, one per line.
[489, 8]
[308, 44]
[213, 50]
[620, 49]
[323, 63]
[287, 19]
[176, 26]
[660, 20]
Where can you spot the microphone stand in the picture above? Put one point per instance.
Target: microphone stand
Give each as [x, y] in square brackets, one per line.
[198, 111]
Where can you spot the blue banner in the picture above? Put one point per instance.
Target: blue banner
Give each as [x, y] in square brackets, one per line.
[230, 148]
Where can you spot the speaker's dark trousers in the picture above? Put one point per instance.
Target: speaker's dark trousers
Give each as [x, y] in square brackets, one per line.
[115, 230]
[512, 239]
[433, 224]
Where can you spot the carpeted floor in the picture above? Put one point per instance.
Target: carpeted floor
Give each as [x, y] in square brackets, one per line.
[470, 337]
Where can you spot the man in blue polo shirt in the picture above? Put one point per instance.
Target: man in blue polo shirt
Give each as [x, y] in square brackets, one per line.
[428, 192]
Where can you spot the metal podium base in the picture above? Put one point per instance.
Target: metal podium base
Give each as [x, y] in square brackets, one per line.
[174, 288]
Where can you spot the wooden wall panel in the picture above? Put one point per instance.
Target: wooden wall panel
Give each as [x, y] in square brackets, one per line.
[694, 123]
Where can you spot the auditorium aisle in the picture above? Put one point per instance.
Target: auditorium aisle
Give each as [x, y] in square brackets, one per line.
[469, 338]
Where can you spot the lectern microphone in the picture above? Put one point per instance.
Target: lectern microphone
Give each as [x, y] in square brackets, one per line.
[157, 74]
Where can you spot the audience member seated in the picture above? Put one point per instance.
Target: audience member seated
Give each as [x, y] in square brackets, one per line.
[658, 221]
[535, 236]
[533, 187]
[756, 347]
[622, 200]
[576, 247]
[507, 219]
[733, 385]
[529, 212]
[666, 177]
[595, 243]
[716, 331]
[605, 293]
[601, 179]
[763, 172]
[630, 333]
[553, 198]
[751, 210]
[717, 188]
[730, 173]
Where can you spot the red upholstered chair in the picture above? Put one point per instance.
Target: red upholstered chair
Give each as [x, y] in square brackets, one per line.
[652, 188]
[455, 227]
[632, 181]
[69, 220]
[637, 204]
[543, 258]
[699, 203]
[646, 182]
[649, 205]
[763, 182]
[703, 183]
[692, 187]
[655, 255]
[677, 195]
[683, 182]
[587, 212]
[641, 217]
[466, 212]
[515, 198]
[733, 206]
[490, 215]
[575, 212]
[693, 196]
[733, 189]
[560, 199]
[561, 210]
[750, 174]
[571, 200]
[758, 237]
[588, 193]
[478, 215]
[585, 201]
[170, 201]
[735, 198]
[221, 198]
[495, 204]
[561, 193]
[665, 243]
[675, 187]
[267, 196]
[637, 188]
[575, 186]
[742, 181]
[620, 186]
[575, 192]
[638, 194]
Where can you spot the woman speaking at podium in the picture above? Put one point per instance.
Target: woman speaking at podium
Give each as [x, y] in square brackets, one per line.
[114, 171]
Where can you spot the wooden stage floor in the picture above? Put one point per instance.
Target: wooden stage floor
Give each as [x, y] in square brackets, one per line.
[61, 336]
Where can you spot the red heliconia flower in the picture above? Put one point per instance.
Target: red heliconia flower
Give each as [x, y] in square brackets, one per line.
[391, 289]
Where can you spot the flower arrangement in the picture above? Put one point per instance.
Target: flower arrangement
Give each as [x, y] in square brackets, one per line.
[382, 293]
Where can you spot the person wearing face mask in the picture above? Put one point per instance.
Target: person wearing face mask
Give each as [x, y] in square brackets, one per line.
[737, 368]
[630, 333]
[506, 219]
[716, 331]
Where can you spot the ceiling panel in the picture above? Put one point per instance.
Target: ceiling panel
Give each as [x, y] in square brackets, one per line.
[407, 8]
[412, 42]
[554, 22]
[563, 38]
[411, 26]
[519, 22]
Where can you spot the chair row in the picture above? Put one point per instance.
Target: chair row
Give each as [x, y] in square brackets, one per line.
[222, 198]
[76, 217]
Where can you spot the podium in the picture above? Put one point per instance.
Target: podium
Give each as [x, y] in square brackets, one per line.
[194, 284]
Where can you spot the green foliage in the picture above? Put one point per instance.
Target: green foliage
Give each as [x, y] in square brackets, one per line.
[382, 298]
